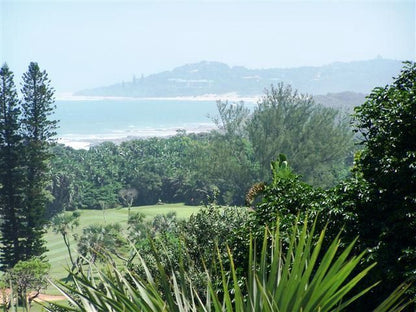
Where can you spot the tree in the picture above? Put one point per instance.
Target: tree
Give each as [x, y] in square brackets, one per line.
[28, 275]
[214, 227]
[316, 139]
[232, 118]
[128, 196]
[62, 224]
[387, 164]
[38, 131]
[231, 163]
[97, 241]
[137, 228]
[11, 174]
[67, 185]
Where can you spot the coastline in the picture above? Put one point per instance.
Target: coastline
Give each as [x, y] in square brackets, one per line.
[232, 97]
[131, 130]
[82, 141]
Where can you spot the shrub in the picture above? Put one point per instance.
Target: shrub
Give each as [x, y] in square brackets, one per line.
[276, 281]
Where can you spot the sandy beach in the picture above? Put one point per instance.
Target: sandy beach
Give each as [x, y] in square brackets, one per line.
[232, 97]
[87, 141]
[86, 121]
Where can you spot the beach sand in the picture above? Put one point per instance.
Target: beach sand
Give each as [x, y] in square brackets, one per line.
[232, 97]
[87, 141]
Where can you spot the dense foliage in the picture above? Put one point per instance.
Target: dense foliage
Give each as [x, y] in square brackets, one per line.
[38, 130]
[303, 278]
[378, 202]
[25, 133]
[202, 263]
[28, 278]
[11, 172]
[387, 166]
[191, 168]
[316, 139]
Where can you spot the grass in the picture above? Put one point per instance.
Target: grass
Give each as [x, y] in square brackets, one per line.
[58, 255]
[304, 278]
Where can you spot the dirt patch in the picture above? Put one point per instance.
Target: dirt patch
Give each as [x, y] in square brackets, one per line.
[5, 297]
[49, 298]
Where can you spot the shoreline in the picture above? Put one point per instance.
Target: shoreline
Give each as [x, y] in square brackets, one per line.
[233, 97]
[85, 141]
[95, 136]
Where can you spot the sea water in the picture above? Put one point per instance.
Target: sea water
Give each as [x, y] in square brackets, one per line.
[86, 122]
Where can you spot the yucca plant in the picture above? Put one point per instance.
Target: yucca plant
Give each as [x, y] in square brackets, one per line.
[120, 289]
[304, 278]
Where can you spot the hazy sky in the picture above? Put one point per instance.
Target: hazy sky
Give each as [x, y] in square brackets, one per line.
[84, 44]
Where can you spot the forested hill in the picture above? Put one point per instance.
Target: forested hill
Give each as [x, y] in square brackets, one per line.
[218, 78]
[345, 101]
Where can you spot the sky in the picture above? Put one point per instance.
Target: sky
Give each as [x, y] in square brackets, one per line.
[85, 44]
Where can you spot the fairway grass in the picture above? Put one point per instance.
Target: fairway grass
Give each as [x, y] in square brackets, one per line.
[58, 254]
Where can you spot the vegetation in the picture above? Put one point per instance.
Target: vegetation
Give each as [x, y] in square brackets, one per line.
[63, 224]
[324, 240]
[193, 168]
[214, 248]
[218, 78]
[291, 281]
[26, 132]
[25, 276]
[57, 253]
[316, 139]
[11, 172]
[37, 133]
[386, 168]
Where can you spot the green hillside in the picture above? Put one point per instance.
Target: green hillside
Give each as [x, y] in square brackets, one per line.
[219, 78]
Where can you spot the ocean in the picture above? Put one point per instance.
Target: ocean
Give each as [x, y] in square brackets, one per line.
[83, 123]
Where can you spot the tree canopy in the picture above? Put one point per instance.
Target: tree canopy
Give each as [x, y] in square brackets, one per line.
[11, 171]
[387, 167]
[26, 131]
[190, 168]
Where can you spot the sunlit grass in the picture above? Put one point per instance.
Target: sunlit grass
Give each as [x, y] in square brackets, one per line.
[58, 255]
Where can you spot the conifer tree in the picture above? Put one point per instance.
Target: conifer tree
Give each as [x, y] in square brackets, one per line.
[11, 174]
[38, 131]
[317, 139]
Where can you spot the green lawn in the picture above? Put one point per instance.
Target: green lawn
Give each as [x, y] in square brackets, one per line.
[58, 255]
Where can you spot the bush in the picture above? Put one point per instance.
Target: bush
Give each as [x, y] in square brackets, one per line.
[276, 281]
